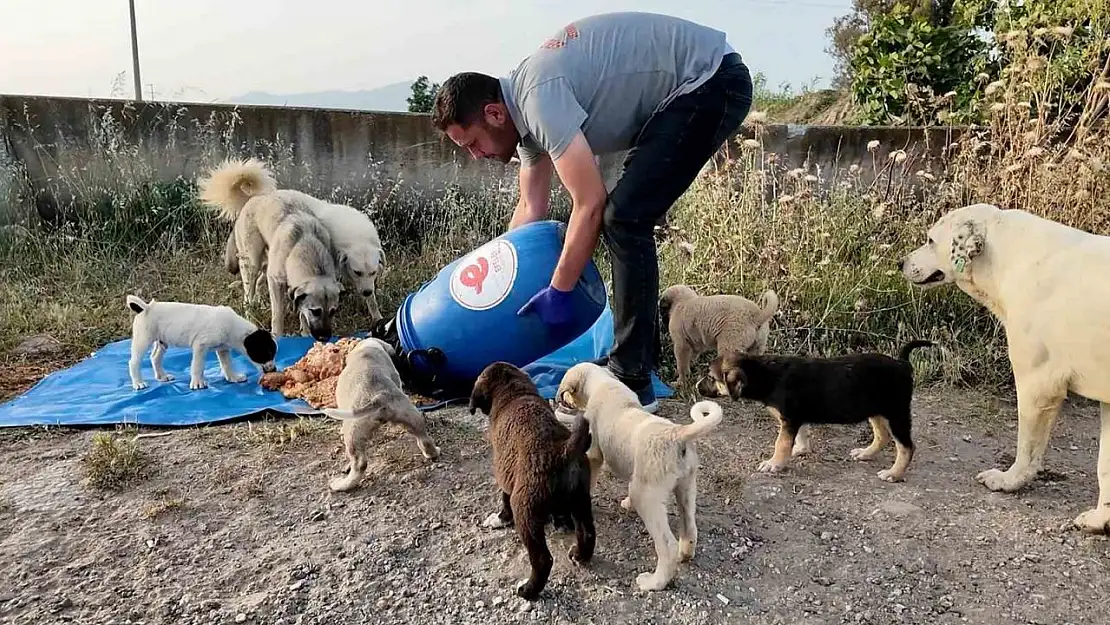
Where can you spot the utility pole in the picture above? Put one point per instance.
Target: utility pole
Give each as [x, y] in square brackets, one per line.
[135, 54]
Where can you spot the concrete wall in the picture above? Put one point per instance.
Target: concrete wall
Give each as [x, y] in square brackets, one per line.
[58, 151]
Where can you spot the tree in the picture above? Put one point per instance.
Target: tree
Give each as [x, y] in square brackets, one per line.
[922, 63]
[423, 95]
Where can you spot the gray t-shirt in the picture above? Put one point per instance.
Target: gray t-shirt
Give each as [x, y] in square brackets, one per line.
[606, 75]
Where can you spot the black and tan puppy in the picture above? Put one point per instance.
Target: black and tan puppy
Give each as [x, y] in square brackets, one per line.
[847, 389]
[540, 466]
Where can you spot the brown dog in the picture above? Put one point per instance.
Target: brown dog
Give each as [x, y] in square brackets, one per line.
[540, 466]
[728, 324]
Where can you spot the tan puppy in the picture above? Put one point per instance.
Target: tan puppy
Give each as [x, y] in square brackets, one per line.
[369, 394]
[728, 324]
[656, 456]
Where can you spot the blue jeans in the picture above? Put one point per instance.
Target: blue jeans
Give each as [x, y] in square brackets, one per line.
[670, 150]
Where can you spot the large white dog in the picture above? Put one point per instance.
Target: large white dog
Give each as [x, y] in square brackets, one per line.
[1046, 282]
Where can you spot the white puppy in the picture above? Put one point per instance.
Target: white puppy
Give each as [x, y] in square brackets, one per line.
[656, 456]
[1044, 281]
[201, 327]
[358, 248]
[368, 394]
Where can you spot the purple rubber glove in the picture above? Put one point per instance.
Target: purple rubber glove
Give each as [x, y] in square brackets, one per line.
[552, 305]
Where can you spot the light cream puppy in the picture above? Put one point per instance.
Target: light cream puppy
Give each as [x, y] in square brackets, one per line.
[368, 394]
[1045, 282]
[198, 326]
[656, 456]
[280, 235]
[727, 324]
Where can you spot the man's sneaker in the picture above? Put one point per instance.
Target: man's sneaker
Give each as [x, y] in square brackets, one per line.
[646, 395]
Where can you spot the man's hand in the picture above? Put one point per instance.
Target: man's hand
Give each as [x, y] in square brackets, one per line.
[551, 304]
[581, 176]
[535, 192]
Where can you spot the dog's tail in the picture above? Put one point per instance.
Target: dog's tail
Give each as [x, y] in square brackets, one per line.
[350, 415]
[579, 440]
[769, 306]
[706, 415]
[904, 354]
[228, 187]
[136, 303]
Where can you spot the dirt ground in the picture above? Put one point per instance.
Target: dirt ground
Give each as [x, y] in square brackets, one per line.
[235, 523]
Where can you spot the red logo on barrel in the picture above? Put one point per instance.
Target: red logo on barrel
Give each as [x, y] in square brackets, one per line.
[474, 275]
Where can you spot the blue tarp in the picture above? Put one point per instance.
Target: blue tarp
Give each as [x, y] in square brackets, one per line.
[97, 390]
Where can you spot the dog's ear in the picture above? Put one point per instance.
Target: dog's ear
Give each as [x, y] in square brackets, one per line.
[967, 243]
[479, 396]
[297, 295]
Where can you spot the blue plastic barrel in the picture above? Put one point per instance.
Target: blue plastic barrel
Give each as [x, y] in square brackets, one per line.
[468, 312]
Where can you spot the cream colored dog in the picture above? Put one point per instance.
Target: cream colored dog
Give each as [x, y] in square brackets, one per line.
[278, 232]
[368, 394]
[728, 324]
[1045, 282]
[656, 456]
[354, 239]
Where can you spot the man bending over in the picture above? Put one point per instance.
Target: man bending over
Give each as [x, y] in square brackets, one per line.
[668, 90]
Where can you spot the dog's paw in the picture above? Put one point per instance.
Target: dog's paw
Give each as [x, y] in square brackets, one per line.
[1095, 521]
[343, 484]
[575, 555]
[236, 378]
[888, 475]
[197, 385]
[527, 590]
[861, 454]
[494, 521]
[165, 377]
[685, 550]
[771, 466]
[1001, 480]
[626, 504]
[431, 454]
[799, 450]
[648, 582]
[138, 386]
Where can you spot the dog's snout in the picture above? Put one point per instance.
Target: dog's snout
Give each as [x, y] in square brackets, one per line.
[900, 263]
[269, 367]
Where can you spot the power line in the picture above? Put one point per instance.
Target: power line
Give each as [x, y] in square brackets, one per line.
[789, 4]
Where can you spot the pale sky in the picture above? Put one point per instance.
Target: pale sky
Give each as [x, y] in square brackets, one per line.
[208, 50]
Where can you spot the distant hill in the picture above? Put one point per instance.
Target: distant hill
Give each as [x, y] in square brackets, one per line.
[387, 98]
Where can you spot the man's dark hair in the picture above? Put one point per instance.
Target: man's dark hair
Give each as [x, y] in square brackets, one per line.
[462, 98]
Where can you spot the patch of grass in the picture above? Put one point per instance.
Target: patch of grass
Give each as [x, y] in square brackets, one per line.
[286, 434]
[166, 502]
[114, 461]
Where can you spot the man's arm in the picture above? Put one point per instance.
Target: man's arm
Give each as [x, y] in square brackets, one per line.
[580, 174]
[535, 192]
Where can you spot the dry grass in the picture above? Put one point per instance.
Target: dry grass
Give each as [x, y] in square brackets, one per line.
[167, 502]
[826, 241]
[114, 461]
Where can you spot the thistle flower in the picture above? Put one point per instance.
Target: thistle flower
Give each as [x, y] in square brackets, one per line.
[756, 117]
[751, 144]
[872, 145]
